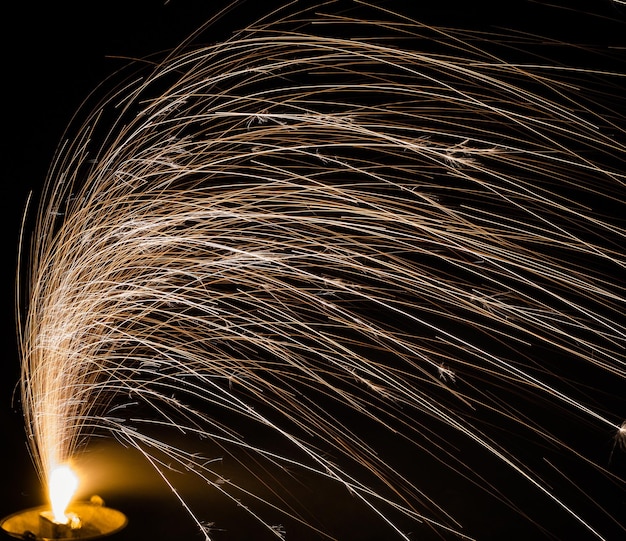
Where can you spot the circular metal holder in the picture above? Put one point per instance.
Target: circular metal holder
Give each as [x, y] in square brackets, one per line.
[88, 520]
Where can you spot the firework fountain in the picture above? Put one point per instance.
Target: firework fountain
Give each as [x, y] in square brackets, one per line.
[315, 255]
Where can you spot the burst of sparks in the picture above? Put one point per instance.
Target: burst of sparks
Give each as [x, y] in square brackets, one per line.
[294, 230]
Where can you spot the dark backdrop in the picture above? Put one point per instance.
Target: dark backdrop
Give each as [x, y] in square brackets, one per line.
[55, 53]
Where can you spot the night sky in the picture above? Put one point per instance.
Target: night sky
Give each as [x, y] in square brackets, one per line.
[57, 53]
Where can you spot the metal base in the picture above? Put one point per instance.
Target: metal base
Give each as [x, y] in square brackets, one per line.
[95, 521]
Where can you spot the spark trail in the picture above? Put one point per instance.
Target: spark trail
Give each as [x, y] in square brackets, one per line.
[296, 234]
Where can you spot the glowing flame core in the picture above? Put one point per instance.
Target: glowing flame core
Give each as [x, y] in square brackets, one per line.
[62, 485]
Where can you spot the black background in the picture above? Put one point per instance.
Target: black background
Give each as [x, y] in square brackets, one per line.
[55, 53]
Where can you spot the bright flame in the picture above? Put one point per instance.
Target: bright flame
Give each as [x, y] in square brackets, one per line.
[62, 485]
